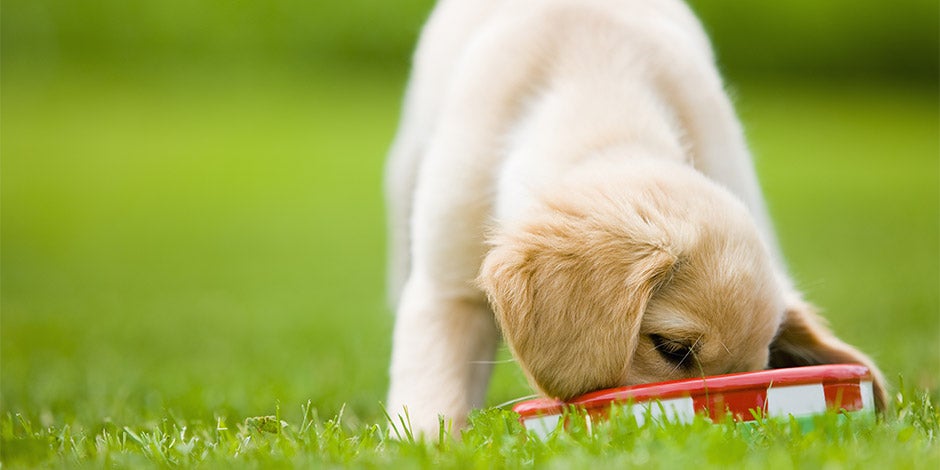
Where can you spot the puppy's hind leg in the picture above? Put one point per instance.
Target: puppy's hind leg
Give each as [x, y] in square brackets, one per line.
[442, 356]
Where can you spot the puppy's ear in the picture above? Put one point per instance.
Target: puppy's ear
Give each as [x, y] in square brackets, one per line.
[803, 340]
[570, 310]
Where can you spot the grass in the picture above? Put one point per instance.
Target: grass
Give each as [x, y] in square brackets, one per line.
[495, 439]
[185, 254]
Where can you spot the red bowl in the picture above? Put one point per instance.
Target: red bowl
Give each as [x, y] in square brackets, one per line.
[797, 392]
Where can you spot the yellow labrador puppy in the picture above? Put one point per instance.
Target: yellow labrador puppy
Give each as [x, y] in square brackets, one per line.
[571, 173]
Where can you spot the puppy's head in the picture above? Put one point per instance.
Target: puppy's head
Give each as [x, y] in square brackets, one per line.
[618, 279]
[653, 274]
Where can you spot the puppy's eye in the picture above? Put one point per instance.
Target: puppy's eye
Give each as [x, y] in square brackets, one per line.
[673, 351]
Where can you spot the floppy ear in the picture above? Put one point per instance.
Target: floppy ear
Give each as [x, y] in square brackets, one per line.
[803, 340]
[571, 319]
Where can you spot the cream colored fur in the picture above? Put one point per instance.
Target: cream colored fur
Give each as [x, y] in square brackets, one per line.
[572, 174]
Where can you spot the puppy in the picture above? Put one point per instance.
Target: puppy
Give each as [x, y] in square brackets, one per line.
[570, 173]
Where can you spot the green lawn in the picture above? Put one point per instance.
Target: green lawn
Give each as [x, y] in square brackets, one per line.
[184, 251]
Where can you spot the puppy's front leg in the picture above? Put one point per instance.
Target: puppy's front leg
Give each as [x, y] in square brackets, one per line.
[445, 333]
[442, 355]
[715, 138]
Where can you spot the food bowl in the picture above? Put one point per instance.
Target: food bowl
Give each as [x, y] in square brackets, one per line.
[799, 392]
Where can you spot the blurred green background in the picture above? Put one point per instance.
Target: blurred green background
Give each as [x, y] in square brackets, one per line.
[192, 220]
